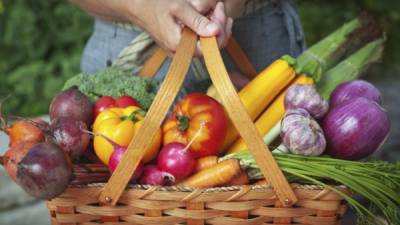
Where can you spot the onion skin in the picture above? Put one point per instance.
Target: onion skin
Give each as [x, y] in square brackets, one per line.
[306, 97]
[356, 129]
[354, 89]
[301, 134]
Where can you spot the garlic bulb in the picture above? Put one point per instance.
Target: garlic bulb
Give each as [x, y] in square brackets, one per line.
[301, 134]
[306, 97]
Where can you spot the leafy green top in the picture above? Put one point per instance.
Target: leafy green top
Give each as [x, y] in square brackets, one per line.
[114, 82]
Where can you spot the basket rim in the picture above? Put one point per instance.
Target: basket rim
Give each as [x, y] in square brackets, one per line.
[212, 189]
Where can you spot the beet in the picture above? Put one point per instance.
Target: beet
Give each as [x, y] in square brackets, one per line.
[72, 103]
[45, 171]
[70, 135]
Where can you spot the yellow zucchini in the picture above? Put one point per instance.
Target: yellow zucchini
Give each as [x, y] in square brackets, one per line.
[259, 93]
[271, 116]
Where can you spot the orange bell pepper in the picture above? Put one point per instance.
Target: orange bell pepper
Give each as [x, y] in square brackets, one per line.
[120, 125]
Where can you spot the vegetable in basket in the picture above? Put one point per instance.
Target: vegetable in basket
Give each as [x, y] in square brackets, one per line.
[353, 89]
[42, 169]
[306, 97]
[116, 83]
[24, 130]
[72, 103]
[106, 102]
[301, 134]
[197, 113]
[120, 125]
[355, 129]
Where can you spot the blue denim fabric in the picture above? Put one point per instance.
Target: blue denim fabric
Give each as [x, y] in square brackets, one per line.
[265, 35]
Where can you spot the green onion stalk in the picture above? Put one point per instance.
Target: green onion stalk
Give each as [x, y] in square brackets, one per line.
[377, 181]
[329, 51]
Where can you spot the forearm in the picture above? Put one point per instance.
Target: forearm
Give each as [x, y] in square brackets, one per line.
[114, 10]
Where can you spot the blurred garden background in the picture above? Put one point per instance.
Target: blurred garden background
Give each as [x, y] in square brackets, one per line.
[41, 44]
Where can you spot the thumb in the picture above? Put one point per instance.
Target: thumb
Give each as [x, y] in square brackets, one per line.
[197, 22]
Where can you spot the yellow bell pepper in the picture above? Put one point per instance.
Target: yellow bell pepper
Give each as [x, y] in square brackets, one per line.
[120, 125]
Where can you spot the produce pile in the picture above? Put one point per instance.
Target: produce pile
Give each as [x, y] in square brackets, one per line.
[313, 111]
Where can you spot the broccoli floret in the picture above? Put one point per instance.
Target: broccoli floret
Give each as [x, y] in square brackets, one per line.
[115, 82]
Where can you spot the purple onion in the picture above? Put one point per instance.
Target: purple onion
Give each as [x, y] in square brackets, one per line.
[355, 129]
[306, 97]
[354, 89]
[301, 134]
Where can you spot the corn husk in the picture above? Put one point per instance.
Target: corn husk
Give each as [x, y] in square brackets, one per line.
[351, 68]
[330, 50]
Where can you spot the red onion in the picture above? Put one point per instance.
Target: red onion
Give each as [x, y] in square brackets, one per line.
[355, 129]
[306, 97]
[175, 158]
[301, 134]
[353, 89]
[154, 176]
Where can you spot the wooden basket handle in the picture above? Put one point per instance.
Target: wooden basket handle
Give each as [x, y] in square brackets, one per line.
[236, 53]
[243, 123]
[153, 119]
[162, 102]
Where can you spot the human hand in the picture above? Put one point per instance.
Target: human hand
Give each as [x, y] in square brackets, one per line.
[164, 20]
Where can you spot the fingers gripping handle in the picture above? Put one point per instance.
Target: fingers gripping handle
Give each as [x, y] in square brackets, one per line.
[154, 117]
[243, 123]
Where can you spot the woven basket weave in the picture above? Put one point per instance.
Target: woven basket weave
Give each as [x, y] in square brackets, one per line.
[244, 205]
[116, 203]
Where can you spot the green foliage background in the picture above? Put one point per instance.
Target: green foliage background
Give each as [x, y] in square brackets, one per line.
[41, 43]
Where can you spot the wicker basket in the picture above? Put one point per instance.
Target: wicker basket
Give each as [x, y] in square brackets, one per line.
[115, 203]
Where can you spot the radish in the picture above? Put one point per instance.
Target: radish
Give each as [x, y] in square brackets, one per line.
[175, 158]
[116, 157]
[152, 175]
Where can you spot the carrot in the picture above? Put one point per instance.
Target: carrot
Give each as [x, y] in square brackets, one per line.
[206, 162]
[216, 175]
[240, 179]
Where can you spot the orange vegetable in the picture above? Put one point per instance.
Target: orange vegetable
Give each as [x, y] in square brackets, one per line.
[241, 179]
[206, 162]
[214, 176]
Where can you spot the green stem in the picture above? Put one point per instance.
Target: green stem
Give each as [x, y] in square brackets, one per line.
[273, 133]
[131, 117]
[183, 122]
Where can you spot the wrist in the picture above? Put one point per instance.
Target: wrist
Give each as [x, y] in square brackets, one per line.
[132, 9]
